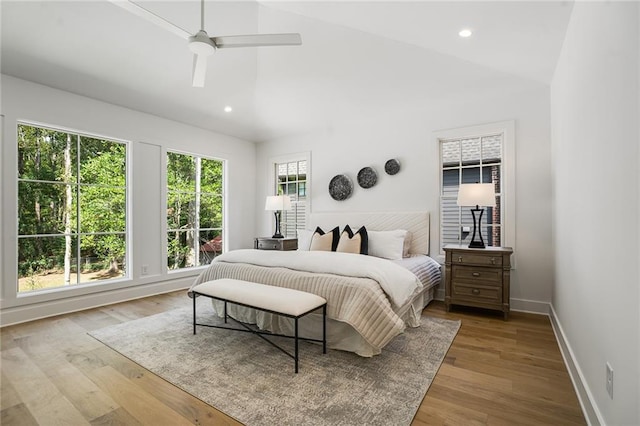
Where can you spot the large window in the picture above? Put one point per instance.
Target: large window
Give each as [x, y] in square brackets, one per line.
[72, 223]
[470, 160]
[194, 210]
[291, 180]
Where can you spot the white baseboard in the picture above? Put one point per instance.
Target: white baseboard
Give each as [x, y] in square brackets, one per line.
[20, 314]
[531, 306]
[587, 402]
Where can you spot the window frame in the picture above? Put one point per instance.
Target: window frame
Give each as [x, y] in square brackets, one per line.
[186, 271]
[60, 292]
[272, 181]
[507, 130]
[461, 169]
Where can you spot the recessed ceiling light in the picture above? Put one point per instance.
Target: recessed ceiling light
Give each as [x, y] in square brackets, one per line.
[228, 109]
[465, 33]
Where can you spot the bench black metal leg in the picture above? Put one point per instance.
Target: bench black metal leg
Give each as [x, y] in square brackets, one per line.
[296, 334]
[194, 313]
[324, 329]
[259, 333]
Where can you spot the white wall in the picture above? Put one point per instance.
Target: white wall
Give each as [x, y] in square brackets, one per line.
[595, 146]
[150, 137]
[406, 132]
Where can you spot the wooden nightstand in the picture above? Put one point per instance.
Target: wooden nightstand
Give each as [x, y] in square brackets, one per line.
[478, 277]
[268, 243]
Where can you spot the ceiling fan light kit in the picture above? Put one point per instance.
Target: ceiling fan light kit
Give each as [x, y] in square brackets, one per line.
[204, 46]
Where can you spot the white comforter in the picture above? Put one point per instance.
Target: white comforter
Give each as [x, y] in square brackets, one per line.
[398, 283]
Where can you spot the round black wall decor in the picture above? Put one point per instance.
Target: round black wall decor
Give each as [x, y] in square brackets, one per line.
[367, 177]
[391, 167]
[340, 187]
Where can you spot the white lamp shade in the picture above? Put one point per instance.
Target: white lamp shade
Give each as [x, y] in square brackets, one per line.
[477, 194]
[278, 202]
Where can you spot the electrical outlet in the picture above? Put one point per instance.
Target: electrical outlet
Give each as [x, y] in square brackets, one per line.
[610, 380]
[144, 270]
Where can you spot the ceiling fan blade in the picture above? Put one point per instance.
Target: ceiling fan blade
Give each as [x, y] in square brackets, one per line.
[151, 17]
[257, 40]
[199, 70]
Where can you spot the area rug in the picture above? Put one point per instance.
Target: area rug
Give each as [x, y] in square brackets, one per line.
[253, 382]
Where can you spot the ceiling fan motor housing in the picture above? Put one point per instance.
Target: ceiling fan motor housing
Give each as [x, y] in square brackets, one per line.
[201, 44]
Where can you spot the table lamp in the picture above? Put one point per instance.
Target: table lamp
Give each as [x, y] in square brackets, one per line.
[278, 203]
[477, 194]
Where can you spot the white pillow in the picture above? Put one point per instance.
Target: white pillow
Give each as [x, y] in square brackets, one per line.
[304, 239]
[387, 244]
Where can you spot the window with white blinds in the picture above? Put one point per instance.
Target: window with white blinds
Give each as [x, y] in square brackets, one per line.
[476, 159]
[291, 180]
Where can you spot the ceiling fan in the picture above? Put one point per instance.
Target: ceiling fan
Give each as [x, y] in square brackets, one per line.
[204, 46]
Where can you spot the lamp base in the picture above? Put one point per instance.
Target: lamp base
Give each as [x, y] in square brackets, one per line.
[477, 227]
[476, 244]
[277, 234]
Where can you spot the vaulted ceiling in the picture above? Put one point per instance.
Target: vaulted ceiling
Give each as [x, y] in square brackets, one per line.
[356, 58]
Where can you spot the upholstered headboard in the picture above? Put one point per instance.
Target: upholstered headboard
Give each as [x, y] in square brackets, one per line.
[415, 222]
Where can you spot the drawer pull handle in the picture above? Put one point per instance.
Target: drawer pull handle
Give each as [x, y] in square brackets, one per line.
[475, 291]
[476, 274]
[493, 260]
[459, 258]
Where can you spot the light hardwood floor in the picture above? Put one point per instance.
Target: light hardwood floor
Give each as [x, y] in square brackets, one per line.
[500, 373]
[496, 373]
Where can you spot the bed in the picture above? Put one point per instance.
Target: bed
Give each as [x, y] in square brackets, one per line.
[370, 300]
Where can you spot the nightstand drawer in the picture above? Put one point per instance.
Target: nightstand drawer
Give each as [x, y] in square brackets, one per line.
[476, 292]
[477, 259]
[269, 245]
[284, 244]
[485, 275]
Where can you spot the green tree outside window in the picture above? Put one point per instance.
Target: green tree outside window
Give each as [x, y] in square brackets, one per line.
[71, 208]
[194, 210]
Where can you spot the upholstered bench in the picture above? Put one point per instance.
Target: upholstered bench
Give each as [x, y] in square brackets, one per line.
[276, 300]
